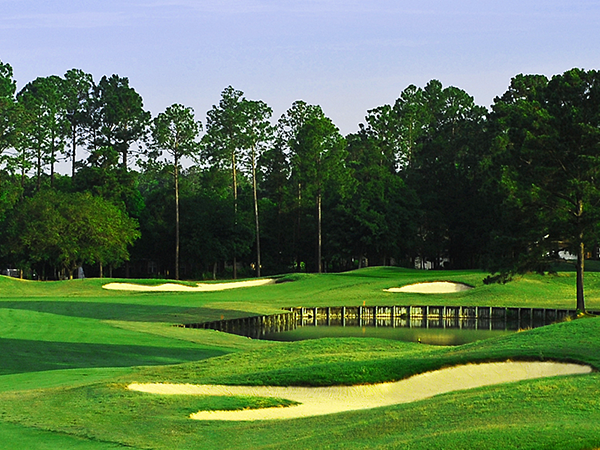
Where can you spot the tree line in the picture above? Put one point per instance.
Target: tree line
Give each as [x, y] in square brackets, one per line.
[431, 179]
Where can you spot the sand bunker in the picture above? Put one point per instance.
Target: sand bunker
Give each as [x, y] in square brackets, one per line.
[436, 287]
[328, 400]
[200, 287]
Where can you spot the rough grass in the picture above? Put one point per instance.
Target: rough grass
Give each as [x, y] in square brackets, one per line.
[69, 348]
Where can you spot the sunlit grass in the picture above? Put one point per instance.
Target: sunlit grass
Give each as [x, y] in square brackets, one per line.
[69, 349]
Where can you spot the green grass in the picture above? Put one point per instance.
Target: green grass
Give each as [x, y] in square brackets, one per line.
[68, 349]
[20, 437]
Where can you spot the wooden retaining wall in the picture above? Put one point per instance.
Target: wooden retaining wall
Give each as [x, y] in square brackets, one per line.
[470, 317]
[254, 327]
[477, 317]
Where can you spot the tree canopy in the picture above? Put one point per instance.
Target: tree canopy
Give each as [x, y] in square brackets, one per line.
[57, 231]
[548, 153]
[430, 180]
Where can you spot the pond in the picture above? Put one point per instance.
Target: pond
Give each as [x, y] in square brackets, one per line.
[434, 325]
[431, 336]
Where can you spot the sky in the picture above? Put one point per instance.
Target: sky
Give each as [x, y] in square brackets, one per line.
[347, 56]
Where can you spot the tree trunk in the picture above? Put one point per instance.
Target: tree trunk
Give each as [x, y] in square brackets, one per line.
[101, 270]
[320, 238]
[39, 168]
[125, 151]
[235, 210]
[52, 169]
[580, 261]
[52, 160]
[22, 173]
[298, 229]
[73, 150]
[176, 174]
[580, 268]
[256, 221]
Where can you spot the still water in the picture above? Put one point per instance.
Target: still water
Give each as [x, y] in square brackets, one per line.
[431, 336]
[432, 325]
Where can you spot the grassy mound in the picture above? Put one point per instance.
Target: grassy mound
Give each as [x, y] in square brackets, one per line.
[70, 348]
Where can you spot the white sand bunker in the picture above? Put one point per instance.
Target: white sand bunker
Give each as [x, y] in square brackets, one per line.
[200, 287]
[436, 287]
[328, 400]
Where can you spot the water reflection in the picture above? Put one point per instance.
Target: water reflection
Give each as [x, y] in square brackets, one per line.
[427, 330]
[437, 325]
[431, 335]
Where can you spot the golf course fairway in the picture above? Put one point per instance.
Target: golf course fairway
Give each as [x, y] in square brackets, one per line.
[71, 350]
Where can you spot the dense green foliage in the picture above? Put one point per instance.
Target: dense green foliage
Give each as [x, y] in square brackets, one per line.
[547, 150]
[66, 231]
[432, 180]
[70, 347]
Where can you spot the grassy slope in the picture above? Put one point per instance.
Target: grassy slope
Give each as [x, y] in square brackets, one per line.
[529, 414]
[77, 324]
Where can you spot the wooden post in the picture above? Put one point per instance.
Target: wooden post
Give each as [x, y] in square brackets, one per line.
[531, 318]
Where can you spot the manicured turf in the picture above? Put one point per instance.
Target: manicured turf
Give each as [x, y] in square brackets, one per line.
[68, 349]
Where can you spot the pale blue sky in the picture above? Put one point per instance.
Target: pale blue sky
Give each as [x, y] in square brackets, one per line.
[347, 56]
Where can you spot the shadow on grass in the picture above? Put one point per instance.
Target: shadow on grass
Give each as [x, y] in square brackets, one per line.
[126, 311]
[20, 356]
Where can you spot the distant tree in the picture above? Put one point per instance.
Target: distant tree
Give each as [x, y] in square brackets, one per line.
[9, 190]
[258, 134]
[288, 128]
[444, 171]
[399, 128]
[64, 231]
[277, 229]
[548, 160]
[223, 140]
[78, 87]
[176, 132]
[379, 217]
[114, 119]
[8, 110]
[208, 234]
[157, 221]
[44, 124]
[433, 137]
[121, 116]
[236, 131]
[318, 159]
